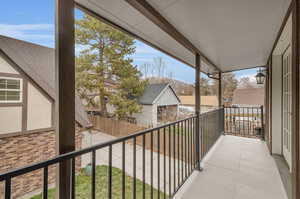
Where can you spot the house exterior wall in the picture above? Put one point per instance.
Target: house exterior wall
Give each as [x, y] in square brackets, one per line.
[5, 67]
[39, 111]
[12, 122]
[33, 114]
[148, 116]
[27, 149]
[276, 104]
[167, 98]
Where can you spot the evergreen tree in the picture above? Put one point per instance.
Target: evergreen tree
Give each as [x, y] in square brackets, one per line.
[105, 73]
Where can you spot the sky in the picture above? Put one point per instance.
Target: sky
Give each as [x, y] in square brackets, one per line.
[33, 21]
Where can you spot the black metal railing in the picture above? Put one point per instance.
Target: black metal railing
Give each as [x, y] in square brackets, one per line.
[211, 128]
[244, 121]
[170, 147]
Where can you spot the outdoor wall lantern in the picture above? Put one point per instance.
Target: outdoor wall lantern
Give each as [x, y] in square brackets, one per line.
[260, 77]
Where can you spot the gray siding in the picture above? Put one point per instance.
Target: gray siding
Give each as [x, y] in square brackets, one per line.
[167, 97]
[148, 116]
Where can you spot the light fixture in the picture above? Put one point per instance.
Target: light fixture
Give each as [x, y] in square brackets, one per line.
[260, 77]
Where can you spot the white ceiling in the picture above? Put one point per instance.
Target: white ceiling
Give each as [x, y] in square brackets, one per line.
[234, 34]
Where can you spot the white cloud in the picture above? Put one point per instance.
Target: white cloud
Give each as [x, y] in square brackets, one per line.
[29, 32]
[26, 27]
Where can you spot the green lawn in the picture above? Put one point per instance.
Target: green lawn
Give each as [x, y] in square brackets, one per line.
[83, 185]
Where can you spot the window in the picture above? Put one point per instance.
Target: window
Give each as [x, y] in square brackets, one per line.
[10, 90]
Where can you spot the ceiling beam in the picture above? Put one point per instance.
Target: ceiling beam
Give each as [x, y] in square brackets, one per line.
[237, 70]
[153, 15]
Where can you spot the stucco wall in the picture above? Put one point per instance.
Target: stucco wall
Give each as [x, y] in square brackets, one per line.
[6, 68]
[276, 104]
[39, 109]
[10, 119]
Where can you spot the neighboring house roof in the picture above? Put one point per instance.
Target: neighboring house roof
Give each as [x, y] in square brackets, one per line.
[249, 96]
[38, 62]
[153, 91]
[205, 100]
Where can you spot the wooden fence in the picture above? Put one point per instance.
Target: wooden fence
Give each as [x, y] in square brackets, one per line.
[117, 128]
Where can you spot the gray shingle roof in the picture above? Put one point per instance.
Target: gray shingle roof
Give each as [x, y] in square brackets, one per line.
[152, 91]
[38, 62]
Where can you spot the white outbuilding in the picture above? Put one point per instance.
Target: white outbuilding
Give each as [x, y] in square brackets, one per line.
[160, 104]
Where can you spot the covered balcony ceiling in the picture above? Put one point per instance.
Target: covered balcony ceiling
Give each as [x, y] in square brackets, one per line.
[232, 34]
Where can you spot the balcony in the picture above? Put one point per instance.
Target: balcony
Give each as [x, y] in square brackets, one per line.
[236, 168]
[168, 159]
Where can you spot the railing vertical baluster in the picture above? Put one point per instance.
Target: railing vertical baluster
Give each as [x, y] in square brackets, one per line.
[151, 160]
[188, 146]
[158, 162]
[239, 110]
[262, 122]
[252, 129]
[201, 135]
[123, 169]
[174, 154]
[93, 174]
[45, 183]
[193, 144]
[234, 122]
[8, 188]
[205, 134]
[195, 138]
[243, 122]
[228, 116]
[225, 119]
[134, 168]
[181, 140]
[109, 183]
[165, 191]
[170, 152]
[185, 151]
[144, 175]
[73, 179]
[248, 119]
[178, 155]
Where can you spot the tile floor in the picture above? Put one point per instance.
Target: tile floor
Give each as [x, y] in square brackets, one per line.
[238, 168]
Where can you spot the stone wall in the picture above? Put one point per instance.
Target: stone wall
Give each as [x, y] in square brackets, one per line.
[18, 151]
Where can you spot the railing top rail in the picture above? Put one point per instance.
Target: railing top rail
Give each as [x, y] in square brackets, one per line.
[242, 106]
[73, 154]
[210, 112]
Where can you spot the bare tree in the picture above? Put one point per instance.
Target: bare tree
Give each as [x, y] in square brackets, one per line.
[145, 69]
[160, 66]
[245, 83]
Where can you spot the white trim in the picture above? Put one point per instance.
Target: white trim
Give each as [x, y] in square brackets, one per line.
[19, 90]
